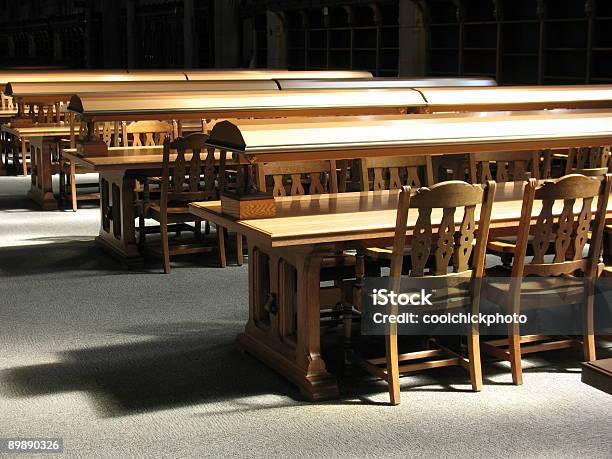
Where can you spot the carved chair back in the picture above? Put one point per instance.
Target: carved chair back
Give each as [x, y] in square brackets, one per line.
[442, 241]
[507, 166]
[297, 178]
[564, 222]
[391, 173]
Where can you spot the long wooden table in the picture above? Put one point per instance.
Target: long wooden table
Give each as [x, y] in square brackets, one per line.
[117, 168]
[285, 256]
[42, 139]
[5, 116]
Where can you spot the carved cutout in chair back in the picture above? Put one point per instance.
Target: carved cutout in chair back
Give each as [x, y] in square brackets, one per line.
[443, 239]
[586, 158]
[504, 166]
[188, 172]
[392, 173]
[297, 178]
[562, 227]
[146, 133]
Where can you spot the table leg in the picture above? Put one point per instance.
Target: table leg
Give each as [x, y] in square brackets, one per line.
[283, 329]
[41, 191]
[117, 229]
[3, 153]
[24, 157]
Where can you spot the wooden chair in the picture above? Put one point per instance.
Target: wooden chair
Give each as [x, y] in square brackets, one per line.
[146, 133]
[504, 166]
[190, 177]
[290, 179]
[433, 246]
[585, 159]
[106, 131]
[392, 173]
[297, 178]
[568, 234]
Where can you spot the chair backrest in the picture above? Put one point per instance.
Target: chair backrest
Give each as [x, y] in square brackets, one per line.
[295, 178]
[188, 171]
[146, 133]
[508, 166]
[558, 225]
[391, 173]
[7, 102]
[586, 158]
[434, 245]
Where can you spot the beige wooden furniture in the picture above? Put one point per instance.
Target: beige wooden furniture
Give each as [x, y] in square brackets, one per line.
[185, 179]
[568, 234]
[587, 161]
[283, 328]
[44, 162]
[507, 166]
[369, 83]
[391, 173]
[118, 169]
[412, 135]
[517, 98]
[437, 241]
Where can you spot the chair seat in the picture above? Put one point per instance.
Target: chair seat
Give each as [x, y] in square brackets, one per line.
[173, 208]
[384, 253]
[554, 290]
[504, 244]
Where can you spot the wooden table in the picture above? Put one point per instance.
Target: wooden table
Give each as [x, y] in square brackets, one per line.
[5, 117]
[43, 139]
[285, 255]
[598, 374]
[117, 168]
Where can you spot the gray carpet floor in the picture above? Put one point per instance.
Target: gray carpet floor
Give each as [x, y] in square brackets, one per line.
[139, 364]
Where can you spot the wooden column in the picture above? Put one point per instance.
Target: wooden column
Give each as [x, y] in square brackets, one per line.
[189, 38]
[277, 40]
[130, 34]
[111, 16]
[412, 38]
[228, 33]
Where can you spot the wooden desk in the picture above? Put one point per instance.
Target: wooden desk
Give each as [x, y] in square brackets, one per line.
[5, 117]
[45, 138]
[598, 374]
[117, 168]
[285, 255]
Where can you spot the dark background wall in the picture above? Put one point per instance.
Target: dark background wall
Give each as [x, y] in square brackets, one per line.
[514, 41]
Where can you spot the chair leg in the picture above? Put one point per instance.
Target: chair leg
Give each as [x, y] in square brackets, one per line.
[142, 229]
[221, 239]
[165, 246]
[206, 227]
[589, 336]
[239, 250]
[24, 157]
[514, 349]
[393, 366]
[347, 323]
[474, 364]
[198, 230]
[73, 188]
[62, 187]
